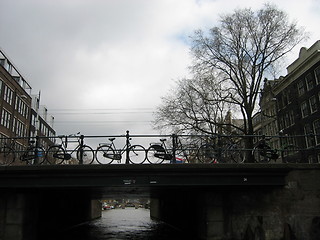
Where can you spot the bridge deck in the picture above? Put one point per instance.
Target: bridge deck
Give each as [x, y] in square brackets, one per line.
[105, 179]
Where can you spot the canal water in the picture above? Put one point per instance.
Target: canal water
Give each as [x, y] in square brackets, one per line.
[121, 224]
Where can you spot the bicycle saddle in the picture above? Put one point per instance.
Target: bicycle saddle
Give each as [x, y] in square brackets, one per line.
[163, 139]
[112, 139]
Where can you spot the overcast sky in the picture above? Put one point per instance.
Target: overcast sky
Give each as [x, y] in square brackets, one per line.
[103, 65]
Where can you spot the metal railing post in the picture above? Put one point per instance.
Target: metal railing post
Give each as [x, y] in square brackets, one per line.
[174, 148]
[219, 155]
[127, 147]
[280, 142]
[81, 149]
[36, 152]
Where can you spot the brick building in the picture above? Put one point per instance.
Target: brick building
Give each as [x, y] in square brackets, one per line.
[290, 104]
[20, 115]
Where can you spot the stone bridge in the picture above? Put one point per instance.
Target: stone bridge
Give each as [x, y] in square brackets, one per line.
[211, 201]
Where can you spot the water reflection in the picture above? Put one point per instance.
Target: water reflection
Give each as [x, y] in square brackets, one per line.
[120, 224]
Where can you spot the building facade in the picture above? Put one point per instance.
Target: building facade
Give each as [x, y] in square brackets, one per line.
[19, 117]
[290, 105]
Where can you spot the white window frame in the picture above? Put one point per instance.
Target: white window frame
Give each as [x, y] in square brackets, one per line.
[300, 87]
[313, 104]
[5, 118]
[309, 82]
[304, 109]
[316, 130]
[8, 95]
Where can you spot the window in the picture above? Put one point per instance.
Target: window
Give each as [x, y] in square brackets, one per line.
[317, 75]
[313, 104]
[291, 117]
[33, 120]
[309, 137]
[8, 95]
[3, 139]
[25, 110]
[316, 129]
[286, 120]
[304, 109]
[19, 130]
[309, 81]
[21, 107]
[300, 87]
[286, 98]
[14, 125]
[5, 118]
[1, 84]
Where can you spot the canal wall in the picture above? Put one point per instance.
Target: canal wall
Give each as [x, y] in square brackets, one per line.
[18, 216]
[288, 212]
[30, 216]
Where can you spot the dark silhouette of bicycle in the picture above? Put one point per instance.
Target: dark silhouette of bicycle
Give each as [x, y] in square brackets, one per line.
[157, 153]
[218, 152]
[262, 152]
[57, 154]
[31, 155]
[7, 153]
[107, 153]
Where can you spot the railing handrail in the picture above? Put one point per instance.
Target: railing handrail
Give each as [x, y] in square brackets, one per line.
[192, 143]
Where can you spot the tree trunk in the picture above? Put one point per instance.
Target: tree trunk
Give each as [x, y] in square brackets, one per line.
[249, 142]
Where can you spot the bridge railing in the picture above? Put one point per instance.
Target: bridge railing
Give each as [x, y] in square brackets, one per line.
[159, 149]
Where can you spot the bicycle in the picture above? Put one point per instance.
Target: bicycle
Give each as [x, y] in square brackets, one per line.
[262, 152]
[33, 154]
[220, 153]
[106, 153]
[57, 154]
[7, 154]
[158, 152]
[185, 153]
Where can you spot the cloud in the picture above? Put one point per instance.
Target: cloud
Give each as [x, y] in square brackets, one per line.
[115, 54]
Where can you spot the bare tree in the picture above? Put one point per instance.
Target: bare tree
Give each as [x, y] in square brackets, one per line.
[243, 49]
[194, 106]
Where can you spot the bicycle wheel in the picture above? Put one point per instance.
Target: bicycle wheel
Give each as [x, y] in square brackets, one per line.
[87, 154]
[291, 154]
[264, 154]
[207, 154]
[105, 154]
[33, 155]
[137, 154]
[55, 155]
[234, 154]
[256, 154]
[155, 153]
[7, 156]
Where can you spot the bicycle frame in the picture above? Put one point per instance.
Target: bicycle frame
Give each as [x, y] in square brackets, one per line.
[118, 152]
[263, 151]
[56, 154]
[32, 154]
[64, 144]
[163, 155]
[106, 153]
[184, 153]
[158, 152]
